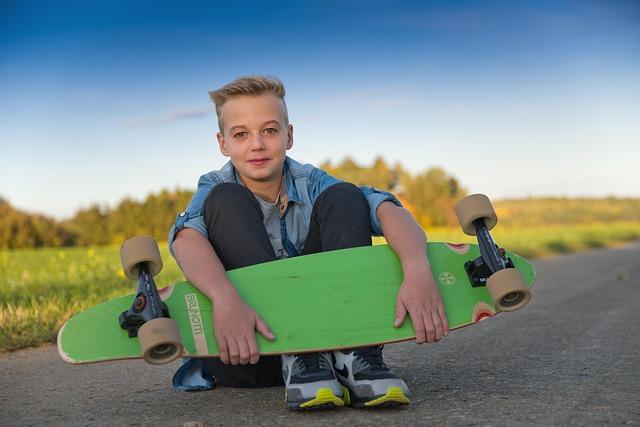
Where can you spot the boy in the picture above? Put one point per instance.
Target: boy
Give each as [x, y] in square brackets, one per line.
[262, 206]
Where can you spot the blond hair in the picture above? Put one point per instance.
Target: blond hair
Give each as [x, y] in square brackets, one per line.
[248, 86]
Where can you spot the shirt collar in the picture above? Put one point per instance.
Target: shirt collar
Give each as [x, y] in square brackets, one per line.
[290, 184]
[288, 194]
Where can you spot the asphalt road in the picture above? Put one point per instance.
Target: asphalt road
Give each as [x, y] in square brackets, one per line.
[569, 358]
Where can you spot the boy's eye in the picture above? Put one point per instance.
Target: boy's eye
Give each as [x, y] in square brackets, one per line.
[239, 134]
[271, 130]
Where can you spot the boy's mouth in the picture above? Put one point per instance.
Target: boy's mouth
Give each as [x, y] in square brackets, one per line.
[258, 162]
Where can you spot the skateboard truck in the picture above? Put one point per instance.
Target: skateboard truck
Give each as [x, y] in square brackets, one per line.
[492, 258]
[146, 305]
[148, 317]
[505, 284]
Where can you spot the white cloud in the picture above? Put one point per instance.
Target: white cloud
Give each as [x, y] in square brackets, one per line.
[171, 117]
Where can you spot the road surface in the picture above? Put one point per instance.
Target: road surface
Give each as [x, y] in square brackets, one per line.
[569, 358]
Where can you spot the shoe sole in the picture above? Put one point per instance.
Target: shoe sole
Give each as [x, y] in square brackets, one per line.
[325, 399]
[394, 397]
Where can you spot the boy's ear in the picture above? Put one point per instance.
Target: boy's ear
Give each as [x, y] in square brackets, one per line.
[289, 136]
[223, 144]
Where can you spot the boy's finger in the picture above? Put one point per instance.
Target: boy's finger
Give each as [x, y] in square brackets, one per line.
[445, 321]
[430, 328]
[401, 312]
[223, 350]
[234, 352]
[264, 329]
[435, 317]
[253, 350]
[418, 326]
[245, 354]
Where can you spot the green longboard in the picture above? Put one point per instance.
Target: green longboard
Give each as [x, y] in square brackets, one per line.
[331, 300]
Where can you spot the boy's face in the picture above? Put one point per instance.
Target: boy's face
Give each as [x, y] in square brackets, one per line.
[256, 137]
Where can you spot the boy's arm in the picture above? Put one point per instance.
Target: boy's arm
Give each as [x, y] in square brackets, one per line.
[418, 295]
[234, 321]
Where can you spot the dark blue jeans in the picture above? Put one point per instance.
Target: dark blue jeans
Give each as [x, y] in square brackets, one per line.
[234, 220]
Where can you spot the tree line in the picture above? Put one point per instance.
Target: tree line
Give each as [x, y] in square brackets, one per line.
[95, 225]
[429, 195]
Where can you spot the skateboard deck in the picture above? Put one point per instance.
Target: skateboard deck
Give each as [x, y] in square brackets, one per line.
[331, 300]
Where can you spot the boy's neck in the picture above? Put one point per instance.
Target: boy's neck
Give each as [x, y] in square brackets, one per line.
[267, 191]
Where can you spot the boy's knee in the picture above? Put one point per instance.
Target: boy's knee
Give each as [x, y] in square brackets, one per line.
[344, 193]
[230, 196]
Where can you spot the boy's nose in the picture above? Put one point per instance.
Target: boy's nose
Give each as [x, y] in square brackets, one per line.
[257, 143]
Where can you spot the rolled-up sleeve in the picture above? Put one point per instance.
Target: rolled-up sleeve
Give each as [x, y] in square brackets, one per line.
[321, 180]
[375, 198]
[183, 220]
[192, 216]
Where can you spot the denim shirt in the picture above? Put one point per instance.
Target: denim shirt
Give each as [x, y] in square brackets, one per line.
[303, 184]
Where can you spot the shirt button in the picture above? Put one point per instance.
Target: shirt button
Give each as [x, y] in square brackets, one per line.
[182, 214]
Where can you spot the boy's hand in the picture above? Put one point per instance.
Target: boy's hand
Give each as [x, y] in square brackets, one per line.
[419, 296]
[235, 324]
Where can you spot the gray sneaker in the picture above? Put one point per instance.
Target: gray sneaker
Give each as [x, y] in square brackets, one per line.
[310, 382]
[368, 380]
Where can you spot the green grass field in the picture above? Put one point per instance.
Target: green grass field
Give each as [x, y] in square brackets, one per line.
[41, 288]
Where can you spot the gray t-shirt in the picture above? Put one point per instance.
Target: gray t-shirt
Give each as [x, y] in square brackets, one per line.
[271, 212]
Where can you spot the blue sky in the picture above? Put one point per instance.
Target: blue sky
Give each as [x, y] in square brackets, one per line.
[513, 98]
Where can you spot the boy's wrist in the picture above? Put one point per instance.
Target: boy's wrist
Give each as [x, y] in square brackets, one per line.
[416, 268]
[221, 291]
